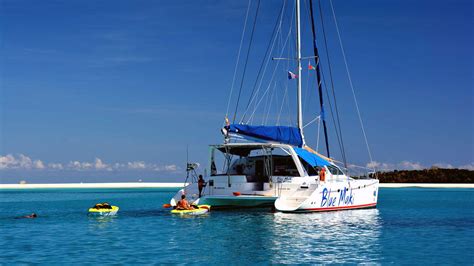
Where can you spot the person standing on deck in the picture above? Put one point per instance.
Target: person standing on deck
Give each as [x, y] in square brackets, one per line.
[201, 184]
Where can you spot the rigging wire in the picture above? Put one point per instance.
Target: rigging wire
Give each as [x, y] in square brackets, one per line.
[271, 80]
[282, 104]
[308, 90]
[266, 59]
[350, 81]
[319, 130]
[246, 60]
[290, 51]
[286, 87]
[332, 113]
[265, 108]
[257, 103]
[318, 63]
[318, 75]
[238, 58]
[284, 99]
[338, 128]
[320, 66]
[273, 118]
[270, 105]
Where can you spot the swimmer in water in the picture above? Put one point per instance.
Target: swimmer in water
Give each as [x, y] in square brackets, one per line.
[31, 216]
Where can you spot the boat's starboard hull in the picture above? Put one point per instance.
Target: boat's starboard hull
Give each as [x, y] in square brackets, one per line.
[332, 196]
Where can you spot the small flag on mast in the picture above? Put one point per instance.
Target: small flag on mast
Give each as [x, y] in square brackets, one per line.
[310, 67]
[292, 75]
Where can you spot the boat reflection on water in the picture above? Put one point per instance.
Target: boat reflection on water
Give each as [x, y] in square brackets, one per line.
[328, 237]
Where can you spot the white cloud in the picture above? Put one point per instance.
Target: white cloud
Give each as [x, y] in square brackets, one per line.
[140, 165]
[373, 164]
[99, 165]
[25, 162]
[136, 165]
[166, 168]
[444, 165]
[380, 166]
[76, 165]
[117, 166]
[22, 162]
[38, 164]
[406, 165]
[56, 166]
[7, 161]
[467, 166]
[171, 167]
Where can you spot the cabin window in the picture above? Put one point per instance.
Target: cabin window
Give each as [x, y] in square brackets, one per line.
[309, 168]
[257, 166]
[334, 170]
[284, 166]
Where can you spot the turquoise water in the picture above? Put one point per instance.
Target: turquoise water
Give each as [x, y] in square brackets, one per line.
[409, 226]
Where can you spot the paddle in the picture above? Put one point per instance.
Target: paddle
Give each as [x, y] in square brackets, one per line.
[167, 206]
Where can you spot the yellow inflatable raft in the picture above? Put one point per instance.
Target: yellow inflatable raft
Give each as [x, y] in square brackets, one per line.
[202, 209]
[103, 209]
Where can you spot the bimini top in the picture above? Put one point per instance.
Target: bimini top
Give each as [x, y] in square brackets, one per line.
[282, 134]
[311, 158]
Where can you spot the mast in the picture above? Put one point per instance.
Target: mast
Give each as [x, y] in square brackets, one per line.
[318, 74]
[298, 59]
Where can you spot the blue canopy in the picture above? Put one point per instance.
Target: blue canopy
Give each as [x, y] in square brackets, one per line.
[282, 134]
[311, 158]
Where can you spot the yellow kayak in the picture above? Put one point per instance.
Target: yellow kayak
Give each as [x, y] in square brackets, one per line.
[104, 211]
[202, 209]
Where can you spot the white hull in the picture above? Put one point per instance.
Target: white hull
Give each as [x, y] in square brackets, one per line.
[331, 196]
[289, 197]
[245, 183]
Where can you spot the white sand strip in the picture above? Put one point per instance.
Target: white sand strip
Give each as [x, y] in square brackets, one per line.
[94, 185]
[426, 185]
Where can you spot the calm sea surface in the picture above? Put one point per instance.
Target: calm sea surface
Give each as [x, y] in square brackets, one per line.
[411, 226]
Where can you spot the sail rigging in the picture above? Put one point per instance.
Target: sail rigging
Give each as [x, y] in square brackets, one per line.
[318, 75]
[261, 98]
[266, 164]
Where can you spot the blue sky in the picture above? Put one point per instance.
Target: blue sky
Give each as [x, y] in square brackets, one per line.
[115, 90]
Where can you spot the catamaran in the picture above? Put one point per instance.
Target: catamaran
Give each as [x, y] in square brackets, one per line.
[272, 165]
